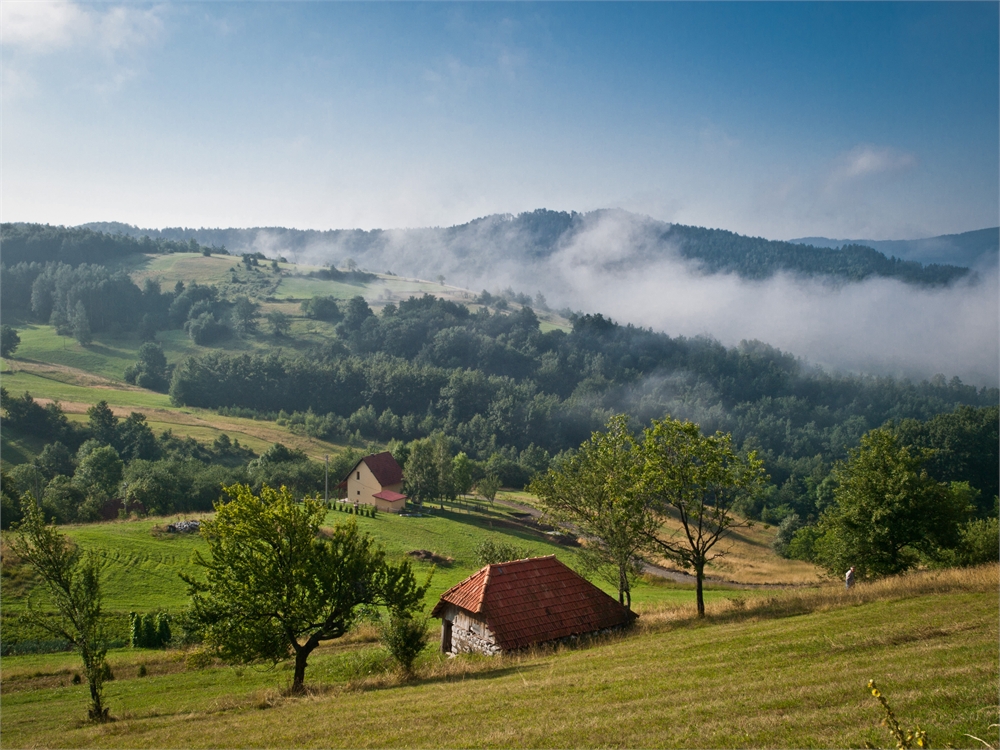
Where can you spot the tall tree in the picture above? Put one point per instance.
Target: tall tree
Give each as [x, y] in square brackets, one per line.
[599, 491]
[697, 480]
[72, 582]
[274, 587]
[80, 324]
[889, 511]
[103, 423]
[422, 472]
[9, 341]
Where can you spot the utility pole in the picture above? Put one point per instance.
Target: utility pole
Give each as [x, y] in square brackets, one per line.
[326, 481]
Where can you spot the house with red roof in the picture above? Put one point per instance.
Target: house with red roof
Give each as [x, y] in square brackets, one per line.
[376, 480]
[512, 605]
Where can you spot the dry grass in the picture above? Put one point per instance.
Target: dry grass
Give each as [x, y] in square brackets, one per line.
[760, 605]
[205, 426]
[748, 558]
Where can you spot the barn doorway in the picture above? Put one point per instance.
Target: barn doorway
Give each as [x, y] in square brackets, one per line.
[445, 636]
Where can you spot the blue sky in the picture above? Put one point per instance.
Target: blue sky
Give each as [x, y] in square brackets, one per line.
[875, 120]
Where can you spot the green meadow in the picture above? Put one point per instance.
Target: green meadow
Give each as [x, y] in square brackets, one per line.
[788, 670]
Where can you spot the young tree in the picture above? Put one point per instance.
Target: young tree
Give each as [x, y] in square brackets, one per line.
[280, 323]
[488, 487]
[245, 315]
[888, 510]
[275, 587]
[72, 581]
[462, 471]
[697, 479]
[599, 491]
[9, 341]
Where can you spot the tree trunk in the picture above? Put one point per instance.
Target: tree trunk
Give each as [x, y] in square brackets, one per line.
[699, 571]
[301, 655]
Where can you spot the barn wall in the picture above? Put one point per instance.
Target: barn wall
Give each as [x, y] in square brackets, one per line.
[470, 634]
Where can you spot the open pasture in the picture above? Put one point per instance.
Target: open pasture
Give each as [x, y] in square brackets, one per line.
[781, 672]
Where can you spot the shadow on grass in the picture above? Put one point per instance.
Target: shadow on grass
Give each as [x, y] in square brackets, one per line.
[392, 681]
[492, 520]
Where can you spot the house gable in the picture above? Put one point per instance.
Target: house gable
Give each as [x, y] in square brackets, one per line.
[376, 480]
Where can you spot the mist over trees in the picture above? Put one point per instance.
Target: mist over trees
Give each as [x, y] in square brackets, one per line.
[489, 384]
[467, 251]
[503, 391]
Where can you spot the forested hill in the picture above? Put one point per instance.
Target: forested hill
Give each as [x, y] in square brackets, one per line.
[614, 239]
[977, 249]
[43, 243]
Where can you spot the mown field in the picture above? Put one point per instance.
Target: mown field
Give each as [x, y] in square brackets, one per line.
[788, 670]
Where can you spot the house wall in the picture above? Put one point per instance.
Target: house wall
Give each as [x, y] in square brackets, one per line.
[468, 633]
[362, 484]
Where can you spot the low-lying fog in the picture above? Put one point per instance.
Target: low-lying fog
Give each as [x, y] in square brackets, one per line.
[616, 265]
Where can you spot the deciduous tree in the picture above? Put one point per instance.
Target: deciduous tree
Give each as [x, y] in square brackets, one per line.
[888, 510]
[275, 587]
[72, 582]
[696, 479]
[9, 341]
[599, 491]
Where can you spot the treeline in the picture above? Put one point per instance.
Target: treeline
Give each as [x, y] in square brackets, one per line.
[42, 243]
[496, 384]
[535, 235]
[87, 299]
[719, 251]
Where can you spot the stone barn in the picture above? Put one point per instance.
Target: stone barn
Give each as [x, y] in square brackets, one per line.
[512, 605]
[376, 480]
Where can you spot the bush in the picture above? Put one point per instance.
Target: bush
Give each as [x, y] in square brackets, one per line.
[786, 532]
[980, 542]
[151, 630]
[404, 637]
[498, 550]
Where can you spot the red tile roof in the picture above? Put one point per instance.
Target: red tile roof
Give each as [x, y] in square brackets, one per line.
[533, 601]
[389, 496]
[383, 466]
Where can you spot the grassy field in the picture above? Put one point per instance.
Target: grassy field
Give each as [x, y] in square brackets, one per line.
[141, 563]
[787, 671]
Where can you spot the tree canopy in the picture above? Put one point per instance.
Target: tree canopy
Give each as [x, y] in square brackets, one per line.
[275, 586]
[598, 490]
[698, 479]
[889, 511]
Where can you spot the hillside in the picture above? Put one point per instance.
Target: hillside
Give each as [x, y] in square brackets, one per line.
[489, 245]
[976, 249]
[781, 671]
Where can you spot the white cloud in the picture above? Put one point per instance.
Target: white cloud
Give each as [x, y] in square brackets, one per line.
[865, 159]
[101, 44]
[40, 26]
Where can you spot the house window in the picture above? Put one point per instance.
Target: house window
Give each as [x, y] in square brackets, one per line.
[359, 475]
[359, 492]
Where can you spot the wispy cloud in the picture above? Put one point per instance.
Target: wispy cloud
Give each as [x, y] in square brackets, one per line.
[40, 26]
[865, 160]
[111, 36]
[44, 27]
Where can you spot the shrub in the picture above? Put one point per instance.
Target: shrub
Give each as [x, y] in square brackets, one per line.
[498, 550]
[404, 637]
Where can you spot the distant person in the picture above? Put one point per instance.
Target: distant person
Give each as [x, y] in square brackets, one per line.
[849, 578]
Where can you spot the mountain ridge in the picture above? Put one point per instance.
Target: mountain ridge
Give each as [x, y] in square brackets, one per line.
[612, 239]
